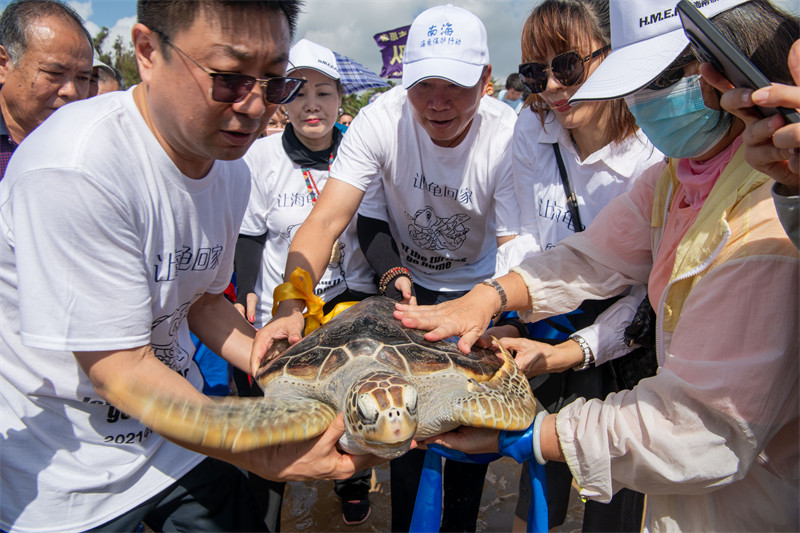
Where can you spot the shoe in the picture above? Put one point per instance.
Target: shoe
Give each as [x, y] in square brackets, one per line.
[355, 512]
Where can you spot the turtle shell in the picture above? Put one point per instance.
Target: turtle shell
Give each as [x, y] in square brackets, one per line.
[369, 329]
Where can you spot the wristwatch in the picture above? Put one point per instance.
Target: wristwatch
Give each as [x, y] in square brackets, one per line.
[500, 291]
[588, 356]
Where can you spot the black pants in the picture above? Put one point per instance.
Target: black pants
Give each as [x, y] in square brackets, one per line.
[213, 496]
[554, 391]
[462, 487]
[462, 483]
[624, 511]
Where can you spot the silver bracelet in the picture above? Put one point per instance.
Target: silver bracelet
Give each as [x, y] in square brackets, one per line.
[537, 436]
[499, 288]
[588, 356]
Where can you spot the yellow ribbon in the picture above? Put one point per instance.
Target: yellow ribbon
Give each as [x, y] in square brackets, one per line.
[301, 287]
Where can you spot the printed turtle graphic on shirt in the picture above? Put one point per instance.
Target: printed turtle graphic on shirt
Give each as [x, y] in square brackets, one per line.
[432, 232]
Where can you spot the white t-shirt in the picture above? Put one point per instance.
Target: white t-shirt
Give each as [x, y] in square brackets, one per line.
[105, 245]
[279, 203]
[546, 220]
[445, 206]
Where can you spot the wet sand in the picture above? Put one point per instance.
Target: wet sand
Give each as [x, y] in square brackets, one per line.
[314, 507]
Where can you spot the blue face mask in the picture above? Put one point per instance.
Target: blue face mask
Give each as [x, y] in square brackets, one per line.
[676, 119]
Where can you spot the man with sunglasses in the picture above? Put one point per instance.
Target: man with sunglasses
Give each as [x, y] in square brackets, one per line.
[119, 218]
[438, 152]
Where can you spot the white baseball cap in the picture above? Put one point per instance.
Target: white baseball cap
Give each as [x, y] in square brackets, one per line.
[445, 42]
[645, 38]
[308, 54]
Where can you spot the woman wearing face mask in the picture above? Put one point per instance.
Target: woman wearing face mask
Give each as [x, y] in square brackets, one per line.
[602, 152]
[288, 171]
[712, 438]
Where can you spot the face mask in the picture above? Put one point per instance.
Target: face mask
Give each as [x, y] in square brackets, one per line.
[676, 119]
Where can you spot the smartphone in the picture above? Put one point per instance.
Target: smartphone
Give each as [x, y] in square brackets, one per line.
[713, 47]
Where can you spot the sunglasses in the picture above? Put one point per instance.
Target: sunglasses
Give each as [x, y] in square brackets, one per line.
[567, 69]
[672, 74]
[229, 88]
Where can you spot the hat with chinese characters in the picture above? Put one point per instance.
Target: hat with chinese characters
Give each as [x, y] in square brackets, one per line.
[646, 37]
[445, 42]
[308, 54]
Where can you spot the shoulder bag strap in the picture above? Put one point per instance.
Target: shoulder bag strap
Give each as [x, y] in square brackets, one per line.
[572, 200]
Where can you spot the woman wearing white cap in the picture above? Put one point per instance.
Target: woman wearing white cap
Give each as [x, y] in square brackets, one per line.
[712, 438]
[288, 171]
[595, 151]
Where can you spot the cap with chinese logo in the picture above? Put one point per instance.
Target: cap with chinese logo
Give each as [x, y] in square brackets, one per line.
[445, 42]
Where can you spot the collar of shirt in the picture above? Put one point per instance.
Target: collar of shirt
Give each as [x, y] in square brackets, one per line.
[616, 156]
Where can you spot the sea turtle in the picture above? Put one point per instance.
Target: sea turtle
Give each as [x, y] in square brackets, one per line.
[391, 383]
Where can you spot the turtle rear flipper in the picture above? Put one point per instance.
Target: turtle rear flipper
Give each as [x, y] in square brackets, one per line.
[238, 424]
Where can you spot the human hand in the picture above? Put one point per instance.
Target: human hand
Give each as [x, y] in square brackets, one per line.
[468, 440]
[403, 286]
[317, 458]
[282, 331]
[250, 313]
[534, 358]
[771, 145]
[466, 317]
[496, 332]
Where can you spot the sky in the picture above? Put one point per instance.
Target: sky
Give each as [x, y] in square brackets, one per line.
[347, 26]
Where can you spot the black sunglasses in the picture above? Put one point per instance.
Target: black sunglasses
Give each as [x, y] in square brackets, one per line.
[229, 87]
[567, 69]
[672, 74]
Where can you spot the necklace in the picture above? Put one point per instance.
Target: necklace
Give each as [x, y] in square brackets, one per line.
[311, 185]
[313, 192]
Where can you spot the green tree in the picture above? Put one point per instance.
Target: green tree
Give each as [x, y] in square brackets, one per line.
[125, 62]
[121, 58]
[352, 103]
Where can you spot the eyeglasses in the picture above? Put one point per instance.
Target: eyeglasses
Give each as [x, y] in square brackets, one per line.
[229, 88]
[567, 69]
[672, 74]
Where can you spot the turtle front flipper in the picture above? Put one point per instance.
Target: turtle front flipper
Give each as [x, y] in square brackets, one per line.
[503, 402]
[237, 424]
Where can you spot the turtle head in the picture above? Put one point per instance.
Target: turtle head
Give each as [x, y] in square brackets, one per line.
[381, 414]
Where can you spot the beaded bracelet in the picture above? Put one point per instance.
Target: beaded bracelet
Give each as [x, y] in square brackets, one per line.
[391, 274]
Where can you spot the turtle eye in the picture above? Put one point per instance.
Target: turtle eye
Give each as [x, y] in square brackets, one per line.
[367, 409]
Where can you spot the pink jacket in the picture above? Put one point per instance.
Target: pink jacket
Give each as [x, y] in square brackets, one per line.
[713, 438]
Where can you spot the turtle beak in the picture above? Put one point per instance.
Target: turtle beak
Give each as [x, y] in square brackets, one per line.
[395, 426]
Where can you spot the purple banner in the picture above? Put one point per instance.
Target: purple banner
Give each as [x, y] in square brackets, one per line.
[392, 44]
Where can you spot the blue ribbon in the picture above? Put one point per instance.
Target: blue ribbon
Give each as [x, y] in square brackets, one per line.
[516, 444]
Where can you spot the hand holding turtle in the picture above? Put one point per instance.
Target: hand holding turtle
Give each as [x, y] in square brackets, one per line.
[286, 326]
[468, 440]
[318, 458]
[534, 358]
[468, 316]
